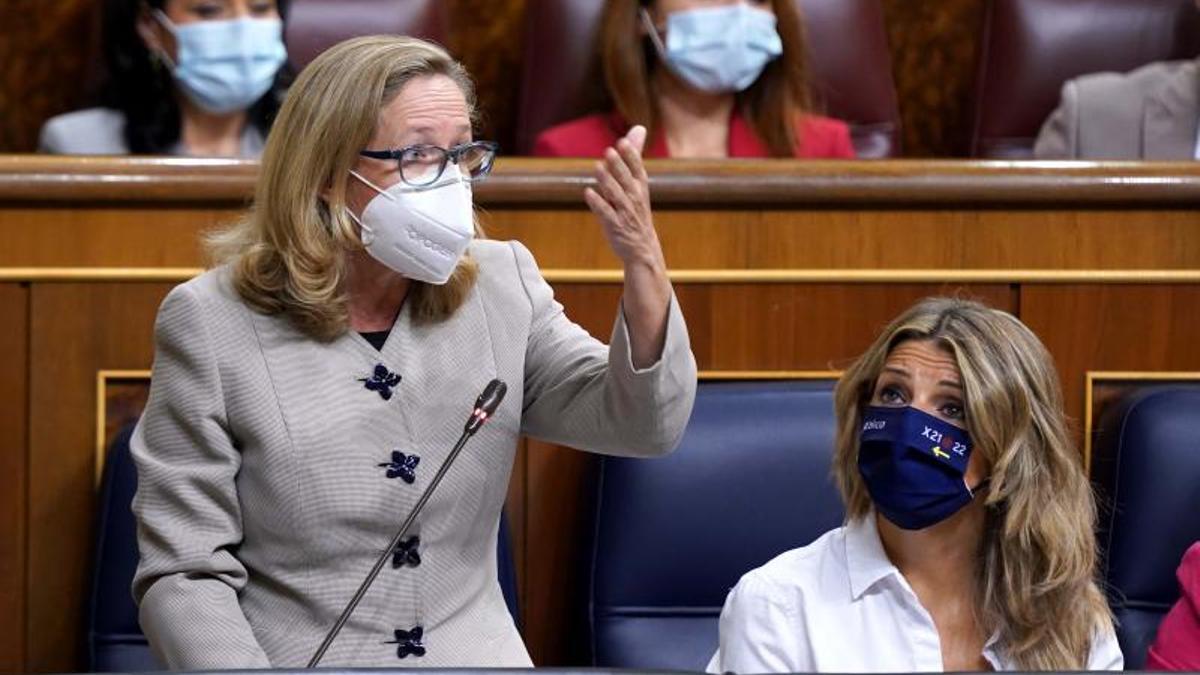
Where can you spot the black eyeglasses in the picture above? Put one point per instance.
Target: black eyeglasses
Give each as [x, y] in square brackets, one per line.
[422, 165]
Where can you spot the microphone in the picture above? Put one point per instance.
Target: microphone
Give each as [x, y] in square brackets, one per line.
[485, 406]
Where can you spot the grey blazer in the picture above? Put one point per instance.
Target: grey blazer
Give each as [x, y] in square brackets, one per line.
[101, 131]
[268, 483]
[1151, 113]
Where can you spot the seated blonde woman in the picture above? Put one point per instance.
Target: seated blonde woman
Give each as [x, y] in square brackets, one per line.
[968, 543]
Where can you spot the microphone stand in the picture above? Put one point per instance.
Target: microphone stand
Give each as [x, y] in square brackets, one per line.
[485, 405]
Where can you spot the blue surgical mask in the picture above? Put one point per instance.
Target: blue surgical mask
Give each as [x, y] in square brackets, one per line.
[225, 66]
[718, 49]
[913, 464]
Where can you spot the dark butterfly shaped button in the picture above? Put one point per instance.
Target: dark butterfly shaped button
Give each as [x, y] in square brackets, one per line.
[402, 466]
[382, 381]
[407, 553]
[408, 642]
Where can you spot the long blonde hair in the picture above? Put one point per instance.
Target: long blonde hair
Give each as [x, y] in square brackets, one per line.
[1037, 564]
[289, 255]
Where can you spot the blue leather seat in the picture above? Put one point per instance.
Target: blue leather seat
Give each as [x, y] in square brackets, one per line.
[1146, 464]
[750, 480]
[115, 642]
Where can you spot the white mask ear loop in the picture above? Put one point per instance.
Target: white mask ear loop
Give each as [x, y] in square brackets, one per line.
[372, 185]
[165, 22]
[648, 24]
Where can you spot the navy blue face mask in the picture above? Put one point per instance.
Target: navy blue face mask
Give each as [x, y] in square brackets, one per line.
[913, 465]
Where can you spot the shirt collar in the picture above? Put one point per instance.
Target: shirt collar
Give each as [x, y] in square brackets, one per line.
[868, 564]
[866, 560]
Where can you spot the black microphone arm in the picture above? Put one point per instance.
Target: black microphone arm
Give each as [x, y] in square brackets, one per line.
[485, 406]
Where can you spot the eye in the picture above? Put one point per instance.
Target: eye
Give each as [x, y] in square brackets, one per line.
[953, 411]
[262, 8]
[207, 10]
[890, 395]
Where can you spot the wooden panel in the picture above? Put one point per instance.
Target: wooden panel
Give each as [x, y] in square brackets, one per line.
[14, 376]
[1114, 328]
[76, 330]
[537, 183]
[935, 51]
[49, 49]
[487, 36]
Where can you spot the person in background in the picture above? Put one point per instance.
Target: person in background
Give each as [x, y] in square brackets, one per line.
[969, 538]
[708, 79]
[1177, 645]
[1152, 113]
[185, 77]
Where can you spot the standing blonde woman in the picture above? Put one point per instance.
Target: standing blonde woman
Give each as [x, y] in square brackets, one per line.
[969, 536]
[306, 390]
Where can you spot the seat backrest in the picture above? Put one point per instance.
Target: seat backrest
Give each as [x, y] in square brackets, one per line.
[1146, 464]
[114, 637]
[115, 641]
[316, 25]
[750, 480]
[851, 69]
[1032, 47]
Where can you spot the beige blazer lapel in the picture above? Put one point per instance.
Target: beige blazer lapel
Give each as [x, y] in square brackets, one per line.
[1171, 117]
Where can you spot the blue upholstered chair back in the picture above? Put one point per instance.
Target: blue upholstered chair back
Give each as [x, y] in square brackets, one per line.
[115, 642]
[1146, 464]
[750, 480]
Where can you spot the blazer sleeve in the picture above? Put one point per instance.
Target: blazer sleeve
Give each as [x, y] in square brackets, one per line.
[187, 508]
[1058, 137]
[583, 394]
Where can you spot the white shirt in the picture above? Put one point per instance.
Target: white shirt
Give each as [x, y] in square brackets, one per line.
[840, 605]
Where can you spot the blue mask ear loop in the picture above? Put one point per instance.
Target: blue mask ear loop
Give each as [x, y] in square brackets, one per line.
[979, 486]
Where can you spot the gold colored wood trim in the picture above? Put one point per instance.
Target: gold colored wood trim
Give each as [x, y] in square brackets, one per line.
[1094, 376]
[722, 375]
[102, 378]
[685, 276]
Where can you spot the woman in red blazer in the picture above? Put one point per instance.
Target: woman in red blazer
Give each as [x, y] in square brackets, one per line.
[1177, 646]
[708, 80]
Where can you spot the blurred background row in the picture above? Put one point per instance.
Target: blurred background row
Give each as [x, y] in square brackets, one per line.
[910, 78]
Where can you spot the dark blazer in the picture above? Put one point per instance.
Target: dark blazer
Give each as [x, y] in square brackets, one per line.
[273, 468]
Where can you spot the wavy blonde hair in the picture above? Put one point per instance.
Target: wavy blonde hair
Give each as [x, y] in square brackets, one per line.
[1037, 573]
[289, 255]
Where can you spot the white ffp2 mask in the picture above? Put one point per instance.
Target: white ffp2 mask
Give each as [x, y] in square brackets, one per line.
[419, 232]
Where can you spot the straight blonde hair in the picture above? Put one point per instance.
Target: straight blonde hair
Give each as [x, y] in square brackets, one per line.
[289, 255]
[1037, 564]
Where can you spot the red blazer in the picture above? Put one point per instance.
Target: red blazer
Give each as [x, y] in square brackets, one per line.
[819, 137]
[1177, 646]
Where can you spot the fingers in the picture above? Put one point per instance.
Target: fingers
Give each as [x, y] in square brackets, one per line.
[613, 193]
[631, 148]
[600, 207]
[619, 168]
[637, 138]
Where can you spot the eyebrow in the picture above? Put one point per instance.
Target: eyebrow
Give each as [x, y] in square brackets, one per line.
[897, 370]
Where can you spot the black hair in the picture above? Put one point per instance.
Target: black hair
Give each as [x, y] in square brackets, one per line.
[141, 87]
